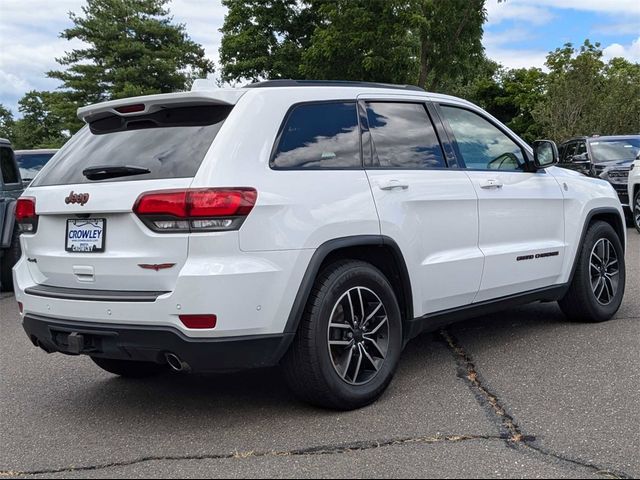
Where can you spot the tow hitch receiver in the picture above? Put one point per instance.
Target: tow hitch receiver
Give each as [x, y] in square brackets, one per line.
[75, 343]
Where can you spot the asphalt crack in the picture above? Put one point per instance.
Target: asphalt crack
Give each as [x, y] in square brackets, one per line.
[509, 429]
[310, 451]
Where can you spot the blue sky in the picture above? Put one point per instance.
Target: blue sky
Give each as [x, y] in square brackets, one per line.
[519, 33]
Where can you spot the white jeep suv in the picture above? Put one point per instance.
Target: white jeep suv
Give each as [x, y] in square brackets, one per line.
[316, 225]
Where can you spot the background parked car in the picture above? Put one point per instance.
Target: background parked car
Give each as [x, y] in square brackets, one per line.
[609, 158]
[31, 162]
[10, 189]
[634, 192]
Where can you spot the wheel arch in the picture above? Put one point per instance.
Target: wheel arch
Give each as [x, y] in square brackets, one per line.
[609, 215]
[380, 251]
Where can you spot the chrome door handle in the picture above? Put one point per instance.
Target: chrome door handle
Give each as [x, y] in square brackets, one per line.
[393, 185]
[491, 184]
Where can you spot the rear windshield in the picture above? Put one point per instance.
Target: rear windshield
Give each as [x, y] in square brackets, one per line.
[31, 163]
[170, 143]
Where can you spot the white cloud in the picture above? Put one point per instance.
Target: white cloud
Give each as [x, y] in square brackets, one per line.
[630, 52]
[626, 7]
[513, 58]
[510, 10]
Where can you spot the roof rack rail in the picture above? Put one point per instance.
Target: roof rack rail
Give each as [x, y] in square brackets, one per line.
[330, 83]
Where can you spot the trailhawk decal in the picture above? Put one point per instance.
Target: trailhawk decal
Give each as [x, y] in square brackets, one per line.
[537, 256]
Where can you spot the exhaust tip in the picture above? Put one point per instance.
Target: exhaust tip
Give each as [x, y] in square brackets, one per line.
[175, 363]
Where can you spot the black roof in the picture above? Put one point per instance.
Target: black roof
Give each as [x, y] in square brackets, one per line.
[330, 83]
[4, 141]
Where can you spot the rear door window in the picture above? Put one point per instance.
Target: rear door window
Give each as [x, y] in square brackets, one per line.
[8, 167]
[170, 143]
[319, 136]
[403, 136]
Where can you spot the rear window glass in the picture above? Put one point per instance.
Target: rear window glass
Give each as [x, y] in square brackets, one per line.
[320, 135]
[170, 143]
[31, 163]
[8, 167]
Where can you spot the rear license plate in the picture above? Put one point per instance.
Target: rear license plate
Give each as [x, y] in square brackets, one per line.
[86, 235]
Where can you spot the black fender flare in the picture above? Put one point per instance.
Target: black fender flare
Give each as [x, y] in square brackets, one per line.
[320, 255]
[589, 218]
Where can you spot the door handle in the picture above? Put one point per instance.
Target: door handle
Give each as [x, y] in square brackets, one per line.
[394, 185]
[491, 184]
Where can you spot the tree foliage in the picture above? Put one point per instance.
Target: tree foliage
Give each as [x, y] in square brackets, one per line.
[362, 40]
[7, 123]
[39, 126]
[132, 48]
[450, 35]
[430, 43]
[264, 39]
[586, 96]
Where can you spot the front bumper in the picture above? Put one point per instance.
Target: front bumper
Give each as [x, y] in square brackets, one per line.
[151, 344]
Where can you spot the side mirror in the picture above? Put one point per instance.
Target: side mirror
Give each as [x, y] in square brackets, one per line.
[545, 154]
[583, 158]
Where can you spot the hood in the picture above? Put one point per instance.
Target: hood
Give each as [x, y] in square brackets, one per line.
[615, 163]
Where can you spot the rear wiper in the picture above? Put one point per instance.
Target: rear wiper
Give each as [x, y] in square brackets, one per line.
[104, 173]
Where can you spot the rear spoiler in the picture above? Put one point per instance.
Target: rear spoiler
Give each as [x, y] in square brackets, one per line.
[151, 103]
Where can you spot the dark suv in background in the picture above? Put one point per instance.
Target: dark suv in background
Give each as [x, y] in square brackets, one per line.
[609, 158]
[10, 189]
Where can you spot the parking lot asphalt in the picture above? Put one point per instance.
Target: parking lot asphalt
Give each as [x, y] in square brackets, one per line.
[523, 393]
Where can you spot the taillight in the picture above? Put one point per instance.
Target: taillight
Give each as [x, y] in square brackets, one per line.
[195, 210]
[26, 214]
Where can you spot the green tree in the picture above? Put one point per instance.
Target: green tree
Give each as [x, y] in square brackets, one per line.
[574, 87]
[522, 90]
[450, 35]
[264, 39]
[7, 123]
[368, 40]
[40, 126]
[433, 43]
[620, 111]
[132, 48]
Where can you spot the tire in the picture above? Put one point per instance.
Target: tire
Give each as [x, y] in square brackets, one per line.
[583, 302]
[129, 368]
[339, 376]
[635, 210]
[9, 258]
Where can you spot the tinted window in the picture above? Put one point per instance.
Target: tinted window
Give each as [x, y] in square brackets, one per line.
[404, 136]
[171, 143]
[561, 150]
[31, 163]
[320, 135]
[482, 145]
[8, 167]
[569, 152]
[581, 148]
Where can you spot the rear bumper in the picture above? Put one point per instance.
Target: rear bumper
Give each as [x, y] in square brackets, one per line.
[151, 344]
